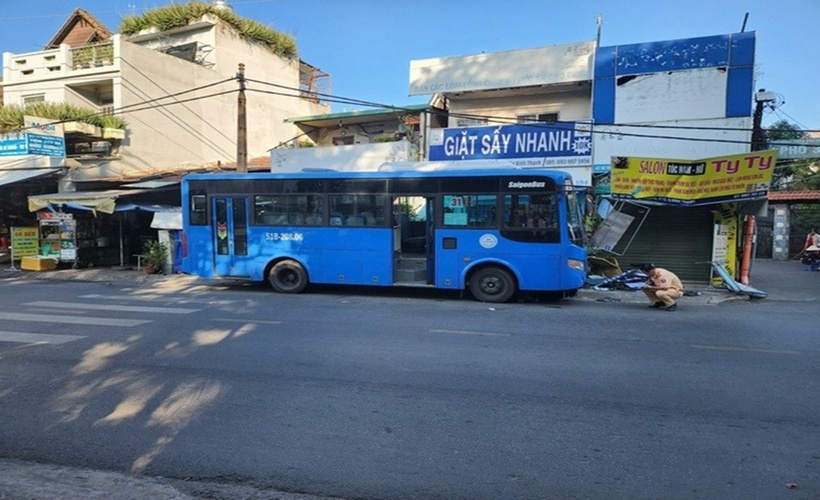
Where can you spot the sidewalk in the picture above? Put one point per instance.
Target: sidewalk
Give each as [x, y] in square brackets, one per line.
[783, 281]
[32, 481]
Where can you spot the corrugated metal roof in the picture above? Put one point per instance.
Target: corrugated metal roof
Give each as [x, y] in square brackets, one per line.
[150, 184]
[15, 175]
[360, 116]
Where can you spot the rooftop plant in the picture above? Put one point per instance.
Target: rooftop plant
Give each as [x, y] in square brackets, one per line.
[11, 116]
[179, 15]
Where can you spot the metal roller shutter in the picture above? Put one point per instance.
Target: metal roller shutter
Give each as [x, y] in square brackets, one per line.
[675, 238]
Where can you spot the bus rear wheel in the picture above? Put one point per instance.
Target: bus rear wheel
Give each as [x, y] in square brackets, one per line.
[288, 276]
[492, 284]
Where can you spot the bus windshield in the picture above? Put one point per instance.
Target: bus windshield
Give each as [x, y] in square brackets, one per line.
[575, 220]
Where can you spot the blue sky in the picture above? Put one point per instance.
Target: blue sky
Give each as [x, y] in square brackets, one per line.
[367, 45]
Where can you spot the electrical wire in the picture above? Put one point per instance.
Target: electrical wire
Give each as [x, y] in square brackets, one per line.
[155, 103]
[184, 124]
[595, 128]
[127, 108]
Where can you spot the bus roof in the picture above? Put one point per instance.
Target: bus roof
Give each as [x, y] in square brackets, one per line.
[397, 171]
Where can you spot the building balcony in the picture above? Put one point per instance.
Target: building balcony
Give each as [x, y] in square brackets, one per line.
[62, 62]
[92, 56]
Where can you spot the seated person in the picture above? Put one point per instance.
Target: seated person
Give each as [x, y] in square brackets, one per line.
[811, 258]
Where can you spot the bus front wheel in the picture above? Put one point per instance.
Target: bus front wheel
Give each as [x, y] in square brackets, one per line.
[492, 284]
[288, 276]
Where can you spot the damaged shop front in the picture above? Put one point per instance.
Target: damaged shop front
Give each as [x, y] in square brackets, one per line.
[684, 215]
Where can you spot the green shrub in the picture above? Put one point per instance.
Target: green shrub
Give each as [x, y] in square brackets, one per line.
[179, 15]
[11, 116]
[154, 255]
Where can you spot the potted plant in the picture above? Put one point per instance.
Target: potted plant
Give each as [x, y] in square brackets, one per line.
[154, 256]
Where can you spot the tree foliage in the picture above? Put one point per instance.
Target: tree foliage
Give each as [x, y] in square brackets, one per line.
[790, 175]
[782, 130]
[796, 175]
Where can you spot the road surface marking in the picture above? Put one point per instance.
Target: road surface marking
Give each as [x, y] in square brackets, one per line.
[741, 349]
[104, 307]
[465, 332]
[175, 300]
[54, 318]
[267, 322]
[37, 338]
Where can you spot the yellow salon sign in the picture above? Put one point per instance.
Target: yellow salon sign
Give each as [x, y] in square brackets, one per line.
[738, 177]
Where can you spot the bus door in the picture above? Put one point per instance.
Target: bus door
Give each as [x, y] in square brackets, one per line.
[413, 239]
[230, 230]
[430, 243]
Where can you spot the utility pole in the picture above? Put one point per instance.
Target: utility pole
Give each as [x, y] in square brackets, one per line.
[241, 124]
[758, 144]
[758, 134]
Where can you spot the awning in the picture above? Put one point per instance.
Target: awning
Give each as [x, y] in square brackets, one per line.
[15, 175]
[151, 184]
[167, 219]
[123, 206]
[103, 201]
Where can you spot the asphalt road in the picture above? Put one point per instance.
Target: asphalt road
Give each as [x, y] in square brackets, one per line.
[364, 394]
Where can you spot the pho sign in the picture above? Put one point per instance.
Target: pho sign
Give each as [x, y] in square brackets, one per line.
[797, 149]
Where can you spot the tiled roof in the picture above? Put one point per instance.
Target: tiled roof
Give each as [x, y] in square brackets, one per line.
[794, 196]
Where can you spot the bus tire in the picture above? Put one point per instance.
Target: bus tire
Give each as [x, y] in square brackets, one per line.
[492, 284]
[288, 276]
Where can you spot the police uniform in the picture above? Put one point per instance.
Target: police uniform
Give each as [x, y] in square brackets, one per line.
[665, 279]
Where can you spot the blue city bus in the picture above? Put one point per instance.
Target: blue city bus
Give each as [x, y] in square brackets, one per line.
[492, 232]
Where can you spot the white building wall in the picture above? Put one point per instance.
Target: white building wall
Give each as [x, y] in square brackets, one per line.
[514, 68]
[161, 134]
[570, 106]
[679, 95]
[695, 139]
[360, 157]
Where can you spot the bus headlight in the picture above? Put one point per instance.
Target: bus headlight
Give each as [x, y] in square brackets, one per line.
[578, 265]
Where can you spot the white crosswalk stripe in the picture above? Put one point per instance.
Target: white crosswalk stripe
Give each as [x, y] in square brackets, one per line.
[108, 307]
[37, 338]
[80, 308]
[153, 298]
[74, 320]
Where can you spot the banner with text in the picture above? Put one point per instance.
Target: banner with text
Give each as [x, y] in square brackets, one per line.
[40, 136]
[565, 144]
[24, 241]
[738, 177]
[25, 143]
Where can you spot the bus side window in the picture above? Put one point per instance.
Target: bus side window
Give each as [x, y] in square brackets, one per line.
[355, 220]
[199, 210]
[469, 210]
[530, 218]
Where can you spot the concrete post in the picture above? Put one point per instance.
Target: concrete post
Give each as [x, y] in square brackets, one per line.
[780, 233]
